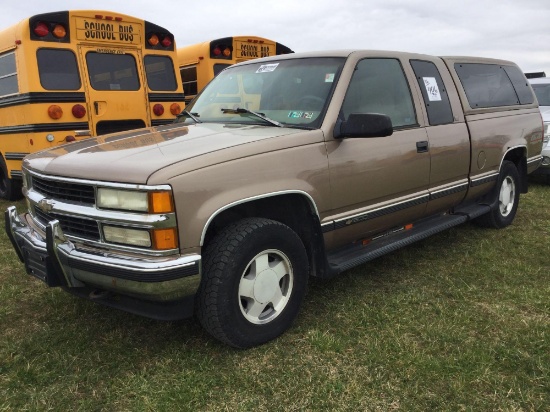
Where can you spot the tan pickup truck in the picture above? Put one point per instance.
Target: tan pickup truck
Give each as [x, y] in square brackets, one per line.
[282, 168]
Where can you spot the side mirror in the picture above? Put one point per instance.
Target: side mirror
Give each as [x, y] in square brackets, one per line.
[364, 125]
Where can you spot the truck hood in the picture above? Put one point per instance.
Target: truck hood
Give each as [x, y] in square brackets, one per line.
[139, 153]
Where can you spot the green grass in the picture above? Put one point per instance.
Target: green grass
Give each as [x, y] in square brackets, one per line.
[460, 321]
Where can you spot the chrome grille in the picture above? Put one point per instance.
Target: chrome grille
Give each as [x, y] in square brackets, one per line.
[71, 226]
[59, 190]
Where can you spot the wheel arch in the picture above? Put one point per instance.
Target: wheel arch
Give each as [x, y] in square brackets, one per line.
[304, 220]
[518, 156]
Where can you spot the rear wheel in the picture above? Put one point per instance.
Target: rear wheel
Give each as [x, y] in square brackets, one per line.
[507, 194]
[10, 189]
[254, 280]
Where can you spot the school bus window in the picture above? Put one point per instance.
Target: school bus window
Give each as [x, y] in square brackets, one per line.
[219, 67]
[8, 75]
[112, 72]
[160, 73]
[189, 80]
[58, 69]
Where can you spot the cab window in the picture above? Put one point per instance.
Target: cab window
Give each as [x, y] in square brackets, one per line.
[434, 92]
[380, 86]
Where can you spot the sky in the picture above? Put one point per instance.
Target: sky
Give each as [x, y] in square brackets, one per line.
[506, 29]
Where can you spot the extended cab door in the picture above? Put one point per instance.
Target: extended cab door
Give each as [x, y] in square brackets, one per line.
[382, 182]
[447, 134]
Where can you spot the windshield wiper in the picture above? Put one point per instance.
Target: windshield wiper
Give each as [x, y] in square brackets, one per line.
[193, 116]
[262, 116]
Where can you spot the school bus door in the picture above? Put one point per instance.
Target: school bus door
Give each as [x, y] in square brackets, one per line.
[116, 88]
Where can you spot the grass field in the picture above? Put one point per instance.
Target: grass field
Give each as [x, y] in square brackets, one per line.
[460, 321]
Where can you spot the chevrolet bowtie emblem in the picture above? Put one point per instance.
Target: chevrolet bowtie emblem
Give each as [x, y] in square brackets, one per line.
[45, 205]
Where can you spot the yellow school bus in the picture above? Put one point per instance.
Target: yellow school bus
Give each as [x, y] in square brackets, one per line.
[69, 75]
[201, 62]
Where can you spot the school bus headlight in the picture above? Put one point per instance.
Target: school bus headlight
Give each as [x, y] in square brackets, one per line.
[50, 137]
[55, 112]
[133, 200]
[127, 236]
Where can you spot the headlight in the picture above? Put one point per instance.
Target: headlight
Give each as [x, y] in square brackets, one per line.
[125, 236]
[546, 138]
[133, 200]
[158, 239]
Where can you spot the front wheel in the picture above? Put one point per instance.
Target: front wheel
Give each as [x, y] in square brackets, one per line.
[507, 195]
[254, 280]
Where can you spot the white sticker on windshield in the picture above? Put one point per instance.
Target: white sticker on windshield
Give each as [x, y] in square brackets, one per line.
[264, 68]
[329, 77]
[431, 89]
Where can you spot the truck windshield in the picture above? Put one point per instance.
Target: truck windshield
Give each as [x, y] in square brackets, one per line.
[291, 93]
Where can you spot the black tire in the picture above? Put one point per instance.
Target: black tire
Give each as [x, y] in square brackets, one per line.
[254, 279]
[10, 189]
[506, 198]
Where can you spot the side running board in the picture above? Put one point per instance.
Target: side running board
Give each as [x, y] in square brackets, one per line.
[358, 253]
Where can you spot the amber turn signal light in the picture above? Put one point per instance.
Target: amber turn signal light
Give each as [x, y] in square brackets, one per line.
[164, 239]
[160, 202]
[153, 40]
[175, 109]
[55, 112]
[59, 31]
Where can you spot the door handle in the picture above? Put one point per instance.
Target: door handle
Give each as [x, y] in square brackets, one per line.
[422, 147]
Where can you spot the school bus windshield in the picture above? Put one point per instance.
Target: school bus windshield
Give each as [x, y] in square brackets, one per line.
[289, 92]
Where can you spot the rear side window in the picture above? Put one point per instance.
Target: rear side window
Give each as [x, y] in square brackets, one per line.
[8, 75]
[160, 73]
[58, 69]
[486, 85]
[521, 84]
[380, 86]
[434, 92]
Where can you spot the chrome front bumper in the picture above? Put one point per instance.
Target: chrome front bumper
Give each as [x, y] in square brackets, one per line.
[144, 282]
